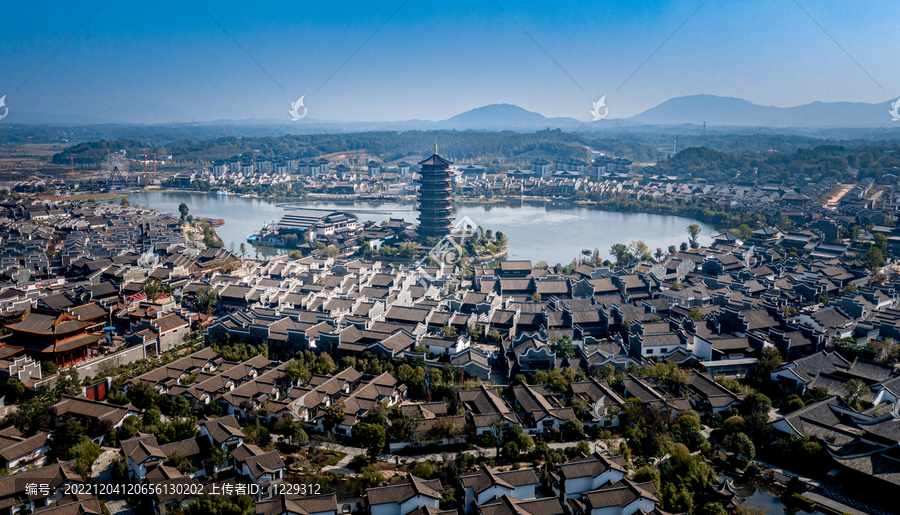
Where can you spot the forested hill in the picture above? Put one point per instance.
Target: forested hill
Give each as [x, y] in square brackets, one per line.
[881, 163]
[389, 146]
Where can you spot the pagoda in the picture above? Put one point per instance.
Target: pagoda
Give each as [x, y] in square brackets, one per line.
[435, 209]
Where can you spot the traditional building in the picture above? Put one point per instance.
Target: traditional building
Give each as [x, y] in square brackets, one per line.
[435, 210]
[51, 336]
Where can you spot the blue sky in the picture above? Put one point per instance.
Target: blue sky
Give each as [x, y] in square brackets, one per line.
[163, 60]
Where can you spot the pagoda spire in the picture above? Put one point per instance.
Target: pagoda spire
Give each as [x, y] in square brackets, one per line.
[435, 146]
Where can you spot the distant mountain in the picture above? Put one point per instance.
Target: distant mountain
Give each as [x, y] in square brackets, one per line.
[729, 111]
[681, 114]
[503, 116]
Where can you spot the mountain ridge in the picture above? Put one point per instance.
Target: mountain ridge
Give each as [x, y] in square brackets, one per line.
[713, 110]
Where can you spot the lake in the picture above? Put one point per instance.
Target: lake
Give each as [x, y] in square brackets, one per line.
[555, 233]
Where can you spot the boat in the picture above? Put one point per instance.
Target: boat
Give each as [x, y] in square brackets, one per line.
[222, 192]
[215, 222]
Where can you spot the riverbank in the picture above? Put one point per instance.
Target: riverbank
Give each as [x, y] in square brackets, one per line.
[86, 196]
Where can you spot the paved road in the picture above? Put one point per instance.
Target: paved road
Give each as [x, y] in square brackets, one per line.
[102, 467]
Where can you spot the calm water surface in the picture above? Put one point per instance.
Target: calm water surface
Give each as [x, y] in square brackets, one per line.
[555, 234]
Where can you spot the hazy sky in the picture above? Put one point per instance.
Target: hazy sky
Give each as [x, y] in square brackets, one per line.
[163, 60]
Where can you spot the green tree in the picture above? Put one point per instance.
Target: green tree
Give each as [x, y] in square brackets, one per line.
[510, 451]
[448, 331]
[769, 361]
[141, 395]
[475, 331]
[857, 392]
[880, 241]
[207, 299]
[334, 415]
[693, 231]
[740, 445]
[620, 252]
[296, 371]
[69, 434]
[85, 453]
[183, 209]
[695, 314]
[14, 389]
[574, 425]
[874, 258]
[371, 437]
[152, 287]
[711, 508]
[243, 250]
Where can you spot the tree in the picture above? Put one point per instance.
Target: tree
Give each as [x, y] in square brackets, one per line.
[141, 395]
[183, 209]
[740, 445]
[85, 453]
[14, 389]
[536, 297]
[334, 415]
[563, 346]
[207, 299]
[510, 451]
[474, 331]
[874, 258]
[69, 434]
[152, 287]
[639, 250]
[372, 437]
[769, 361]
[295, 370]
[48, 368]
[711, 508]
[448, 331]
[659, 253]
[693, 231]
[236, 505]
[880, 241]
[620, 252]
[734, 424]
[672, 250]
[243, 250]
[695, 314]
[647, 474]
[857, 392]
[756, 403]
[299, 436]
[574, 425]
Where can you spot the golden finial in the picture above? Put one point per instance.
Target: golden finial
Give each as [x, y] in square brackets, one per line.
[435, 147]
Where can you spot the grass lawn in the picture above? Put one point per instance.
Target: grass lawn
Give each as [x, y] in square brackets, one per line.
[333, 456]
